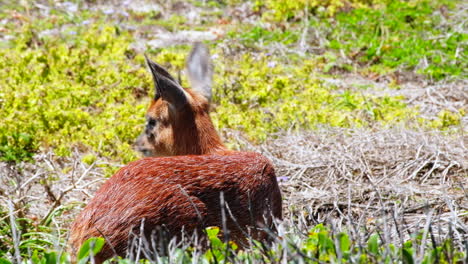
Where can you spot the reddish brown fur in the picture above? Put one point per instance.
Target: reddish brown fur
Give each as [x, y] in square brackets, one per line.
[180, 191]
[151, 189]
[188, 131]
[183, 125]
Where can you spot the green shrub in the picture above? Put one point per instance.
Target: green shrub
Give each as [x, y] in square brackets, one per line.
[72, 91]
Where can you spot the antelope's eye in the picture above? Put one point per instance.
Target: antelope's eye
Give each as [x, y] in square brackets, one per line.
[150, 123]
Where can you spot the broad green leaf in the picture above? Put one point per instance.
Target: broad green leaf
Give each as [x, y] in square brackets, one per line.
[51, 258]
[344, 242]
[407, 257]
[90, 248]
[373, 244]
[4, 261]
[212, 231]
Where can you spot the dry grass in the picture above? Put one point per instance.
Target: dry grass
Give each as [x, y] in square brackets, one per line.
[394, 181]
[50, 188]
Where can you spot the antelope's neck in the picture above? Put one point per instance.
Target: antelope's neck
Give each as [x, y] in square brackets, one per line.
[204, 141]
[210, 143]
[196, 134]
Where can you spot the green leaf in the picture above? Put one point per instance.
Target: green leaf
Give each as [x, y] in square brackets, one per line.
[51, 258]
[212, 233]
[373, 244]
[407, 257]
[35, 258]
[344, 242]
[4, 261]
[325, 243]
[90, 248]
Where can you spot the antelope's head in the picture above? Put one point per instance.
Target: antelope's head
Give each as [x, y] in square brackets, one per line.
[177, 120]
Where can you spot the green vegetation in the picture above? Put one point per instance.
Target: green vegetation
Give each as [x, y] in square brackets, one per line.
[397, 35]
[319, 246]
[85, 88]
[280, 96]
[70, 91]
[279, 10]
[400, 36]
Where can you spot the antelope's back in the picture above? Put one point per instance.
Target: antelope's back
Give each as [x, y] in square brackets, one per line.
[180, 191]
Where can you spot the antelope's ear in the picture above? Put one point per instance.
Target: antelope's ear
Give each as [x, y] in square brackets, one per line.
[166, 86]
[200, 70]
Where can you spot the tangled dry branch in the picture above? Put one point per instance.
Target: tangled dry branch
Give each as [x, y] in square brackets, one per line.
[395, 181]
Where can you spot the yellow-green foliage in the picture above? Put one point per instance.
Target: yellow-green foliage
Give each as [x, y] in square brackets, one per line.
[85, 88]
[446, 119]
[263, 95]
[280, 10]
[70, 91]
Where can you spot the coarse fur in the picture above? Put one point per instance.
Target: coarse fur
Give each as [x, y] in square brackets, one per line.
[179, 186]
[181, 192]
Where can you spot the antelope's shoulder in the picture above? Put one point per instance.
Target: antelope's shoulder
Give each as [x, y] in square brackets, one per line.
[154, 166]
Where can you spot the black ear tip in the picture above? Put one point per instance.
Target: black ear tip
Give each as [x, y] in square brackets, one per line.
[148, 60]
[156, 69]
